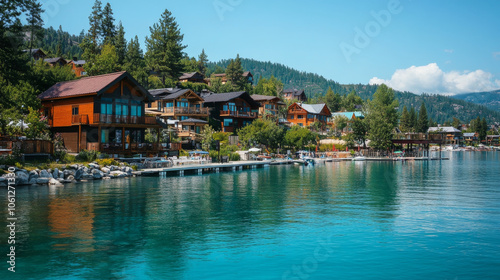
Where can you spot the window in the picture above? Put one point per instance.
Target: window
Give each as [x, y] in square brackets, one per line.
[105, 136]
[300, 117]
[46, 112]
[169, 104]
[301, 124]
[74, 110]
[291, 117]
[228, 122]
[149, 105]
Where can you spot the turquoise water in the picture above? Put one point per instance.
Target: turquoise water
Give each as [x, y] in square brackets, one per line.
[362, 220]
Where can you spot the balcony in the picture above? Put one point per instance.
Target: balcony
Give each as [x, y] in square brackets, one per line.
[237, 114]
[80, 119]
[116, 119]
[171, 111]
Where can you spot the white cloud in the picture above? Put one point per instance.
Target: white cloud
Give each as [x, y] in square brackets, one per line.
[448, 50]
[431, 79]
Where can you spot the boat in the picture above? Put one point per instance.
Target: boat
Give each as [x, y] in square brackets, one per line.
[359, 158]
[300, 162]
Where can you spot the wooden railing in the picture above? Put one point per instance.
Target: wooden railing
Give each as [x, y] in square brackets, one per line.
[237, 114]
[80, 119]
[103, 118]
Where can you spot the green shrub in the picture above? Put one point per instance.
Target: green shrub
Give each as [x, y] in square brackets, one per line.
[183, 153]
[234, 157]
[87, 155]
[106, 162]
[214, 155]
[8, 160]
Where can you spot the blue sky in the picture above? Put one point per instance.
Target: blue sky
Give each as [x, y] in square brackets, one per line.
[443, 47]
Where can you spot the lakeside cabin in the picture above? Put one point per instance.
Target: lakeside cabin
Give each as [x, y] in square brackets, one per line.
[306, 114]
[233, 109]
[105, 113]
[269, 105]
[291, 94]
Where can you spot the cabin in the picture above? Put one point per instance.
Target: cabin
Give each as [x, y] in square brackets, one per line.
[450, 135]
[56, 61]
[193, 77]
[493, 140]
[105, 113]
[77, 67]
[176, 105]
[269, 105]
[470, 137]
[36, 53]
[306, 114]
[350, 116]
[294, 94]
[234, 109]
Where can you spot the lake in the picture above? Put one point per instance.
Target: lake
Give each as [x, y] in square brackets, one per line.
[342, 220]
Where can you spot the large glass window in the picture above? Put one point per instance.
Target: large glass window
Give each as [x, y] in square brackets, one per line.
[105, 136]
[228, 122]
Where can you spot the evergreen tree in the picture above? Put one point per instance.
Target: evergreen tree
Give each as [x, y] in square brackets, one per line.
[423, 121]
[234, 74]
[108, 25]
[432, 123]
[35, 23]
[382, 117]
[483, 131]
[359, 131]
[202, 62]
[95, 30]
[351, 100]
[456, 123]
[164, 48]
[413, 120]
[134, 62]
[404, 124]
[105, 62]
[333, 100]
[120, 44]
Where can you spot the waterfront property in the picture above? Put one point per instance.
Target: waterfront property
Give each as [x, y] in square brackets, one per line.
[233, 109]
[77, 67]
[470, 137]
[493, 140]
[56, 61]
[291, 94]
[350, 116]
[246, 75]
[104, 113]
[269, 105]
[306, 114]
[193, 77]
[451, 135]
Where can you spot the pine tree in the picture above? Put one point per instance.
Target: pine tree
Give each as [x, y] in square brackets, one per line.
[382, 117]
[413, 120]
[120, 44]
[202, 62]
[234, 73]
[483, 129]
[35, 23]
[108, 25]
[95, 30]
[332, 100]
[134, 62]
[423, 121]
[405, 123]
[164, 48]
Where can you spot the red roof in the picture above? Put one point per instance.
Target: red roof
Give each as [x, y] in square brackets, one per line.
[83, 86]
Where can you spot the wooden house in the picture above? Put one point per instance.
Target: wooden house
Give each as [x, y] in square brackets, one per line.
[175, 105]
[56, 61]
[233, 109]
[36, 53]
[307, 114]
[450, 135]
[493, 140]
[193, 77]
[246, 75]
[269, 105]
[294, 94]
[77, 67]
[471, 137]
[104, 113]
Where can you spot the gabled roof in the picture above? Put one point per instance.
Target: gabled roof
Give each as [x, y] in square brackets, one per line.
[259, 97]
[34, 51]
[469, 134]
[191, 120]
[349, 115]
[224, 97]
[312, 108]
[446, 129]
[294, 91]
[89, 85]
[169, 93]
[54, 59]
[78, 62]
[190, 75]
[247, 73]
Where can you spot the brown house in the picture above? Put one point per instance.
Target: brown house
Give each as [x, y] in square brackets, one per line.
[193, 77]
[77, 67]
[269, 105]
[56, 61]
[247, 75]
[233, 109]
[176, 106]
[36, 53]
[307, 114]
[104, 113]
[291, 94]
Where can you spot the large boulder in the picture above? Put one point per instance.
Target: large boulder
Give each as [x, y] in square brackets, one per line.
[3, 182]
[33, 175]
[32, 181]
[87, 176]
[42, 181]
[74, 166]
[55, 174]
[68, 172]
[44, 174]
[22, 178]
[117, 174]
[129, 170]
[105, 170]
[94, 165]
[97, 174]
[54, 182]
[78, 174]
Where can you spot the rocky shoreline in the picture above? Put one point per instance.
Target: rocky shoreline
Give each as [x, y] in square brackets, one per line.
[69, 174]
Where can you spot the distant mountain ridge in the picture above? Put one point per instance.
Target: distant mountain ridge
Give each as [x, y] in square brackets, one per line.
[439, 108]
[490, 99]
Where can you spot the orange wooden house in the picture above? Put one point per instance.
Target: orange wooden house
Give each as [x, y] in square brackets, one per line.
[104, 113]
[77, 67]
[306, 114]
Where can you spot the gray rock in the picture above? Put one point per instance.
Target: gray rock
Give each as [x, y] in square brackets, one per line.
[129, 170]
[44, 174]
[42, 181]
[61, 180]
[3, 182]
[32, 181]
[70, 178]
[78, 174]
[74, 166]
[22, 178]
[94, 165]
[67, 181]
[87, 176]
[85, 169]
[68, 172]
[105, 170]
[55, 174]
[33, 175]
[117, 174]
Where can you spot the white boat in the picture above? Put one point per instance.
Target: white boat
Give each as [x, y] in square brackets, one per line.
[359, 158]
[300, 162]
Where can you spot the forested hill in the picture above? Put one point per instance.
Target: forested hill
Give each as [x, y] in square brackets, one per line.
[490, 99]
[439, 108]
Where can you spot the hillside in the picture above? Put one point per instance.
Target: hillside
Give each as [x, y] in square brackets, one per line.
[439, 108]
[490, 99]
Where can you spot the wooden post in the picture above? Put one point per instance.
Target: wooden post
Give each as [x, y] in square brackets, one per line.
[79, 137]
